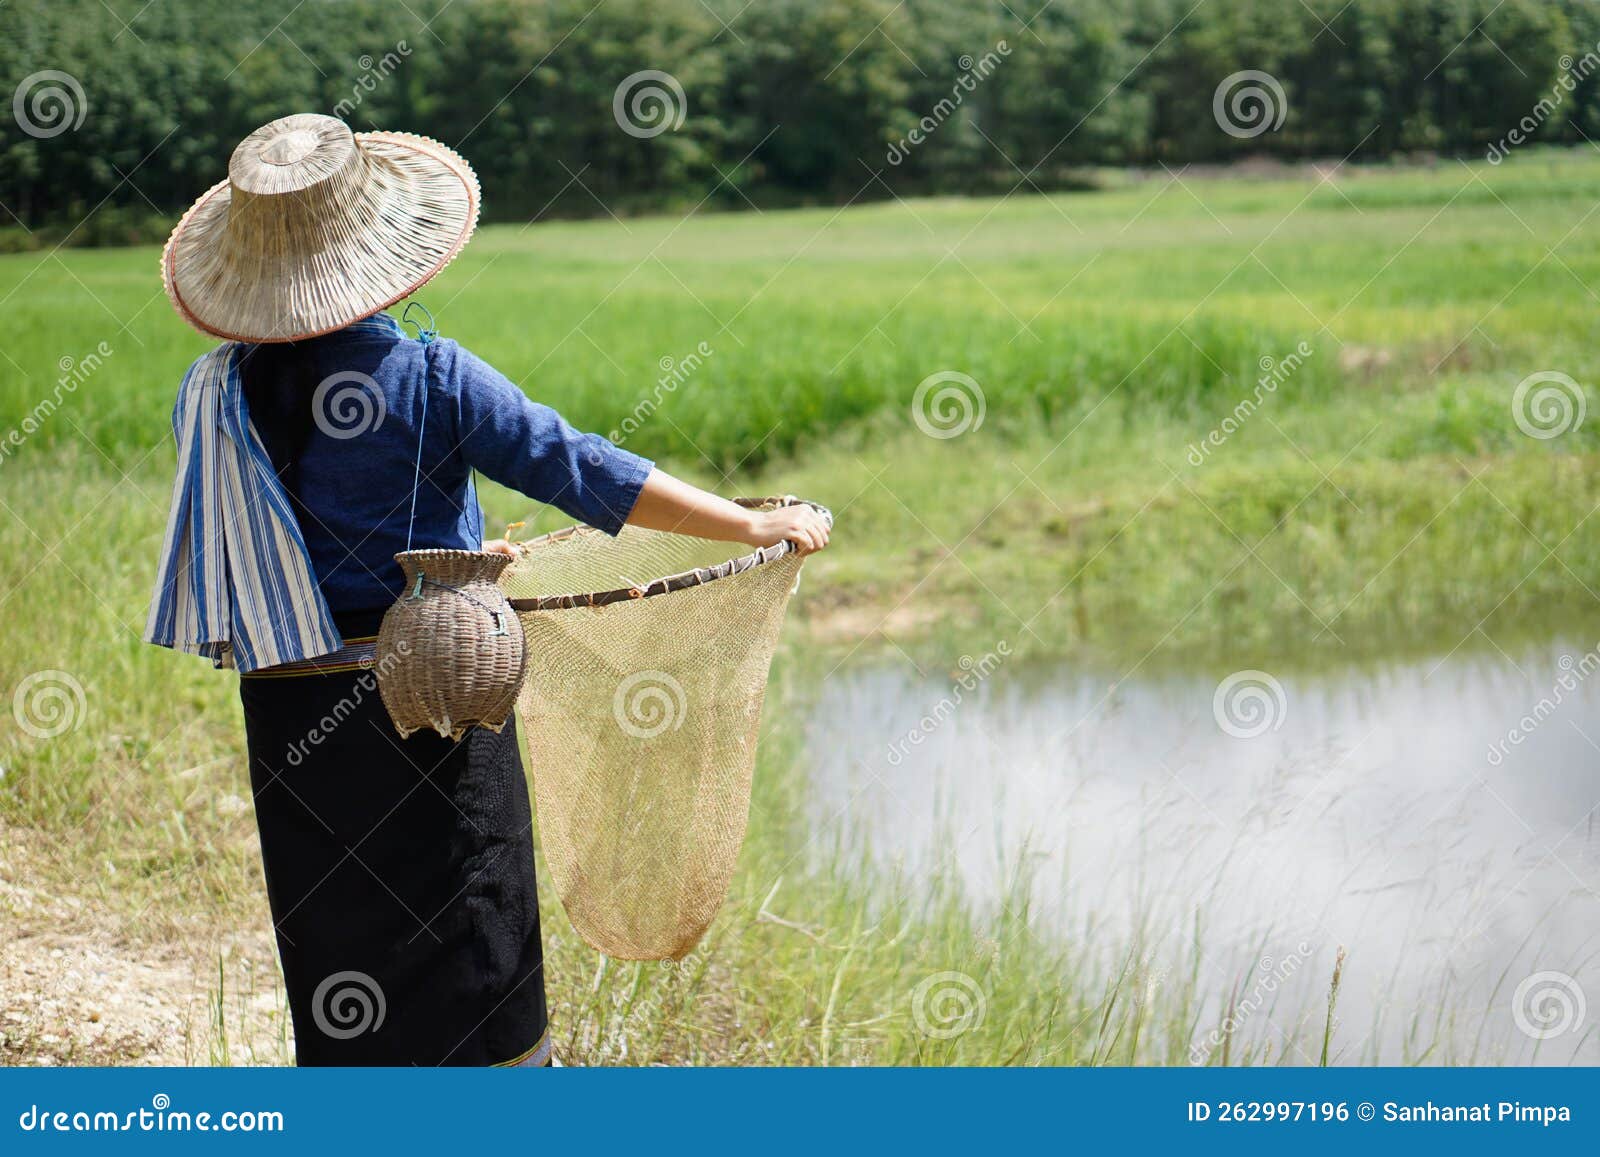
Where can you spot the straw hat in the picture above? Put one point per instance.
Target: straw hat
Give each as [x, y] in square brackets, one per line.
[317, 227]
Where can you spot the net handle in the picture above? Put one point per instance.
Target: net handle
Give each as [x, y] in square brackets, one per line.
[675, 582]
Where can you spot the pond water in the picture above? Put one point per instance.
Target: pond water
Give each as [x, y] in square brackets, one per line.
[1435, 818]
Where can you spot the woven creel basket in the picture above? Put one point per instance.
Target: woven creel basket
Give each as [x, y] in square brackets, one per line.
[450, 654]
[648, 659]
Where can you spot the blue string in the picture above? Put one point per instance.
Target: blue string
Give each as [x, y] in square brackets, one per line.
[426, 334]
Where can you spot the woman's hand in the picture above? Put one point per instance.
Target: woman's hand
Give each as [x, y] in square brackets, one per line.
[666, 503]
[500, 546]
[800, 524]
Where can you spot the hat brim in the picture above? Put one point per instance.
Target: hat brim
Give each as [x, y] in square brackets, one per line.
[421, 211]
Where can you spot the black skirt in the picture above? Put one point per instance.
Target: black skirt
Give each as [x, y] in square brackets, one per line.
[400, 875]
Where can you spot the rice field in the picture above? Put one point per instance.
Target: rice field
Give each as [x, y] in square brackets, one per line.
[1286, 414]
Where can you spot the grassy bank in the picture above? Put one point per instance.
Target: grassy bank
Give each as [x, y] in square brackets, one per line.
[1114, 502]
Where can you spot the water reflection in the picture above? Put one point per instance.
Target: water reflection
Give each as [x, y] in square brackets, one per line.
[1436, 818]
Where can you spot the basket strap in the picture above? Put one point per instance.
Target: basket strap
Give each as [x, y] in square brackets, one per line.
[426, 335]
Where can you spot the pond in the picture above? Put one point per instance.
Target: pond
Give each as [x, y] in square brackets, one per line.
[1435, 818]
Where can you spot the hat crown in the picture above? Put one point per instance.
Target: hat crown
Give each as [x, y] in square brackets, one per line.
[290, 147]
[291, 154]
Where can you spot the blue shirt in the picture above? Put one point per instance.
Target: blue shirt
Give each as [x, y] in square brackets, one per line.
[379, 390]
[294, 491]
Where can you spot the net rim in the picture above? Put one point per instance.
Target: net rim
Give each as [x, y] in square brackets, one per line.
[666, 584]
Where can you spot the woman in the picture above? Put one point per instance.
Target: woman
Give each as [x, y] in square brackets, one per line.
[313, 446]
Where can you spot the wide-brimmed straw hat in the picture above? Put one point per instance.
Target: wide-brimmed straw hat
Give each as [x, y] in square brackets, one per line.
[317, 227]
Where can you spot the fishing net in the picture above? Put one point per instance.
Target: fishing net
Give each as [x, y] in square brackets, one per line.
[647, 664]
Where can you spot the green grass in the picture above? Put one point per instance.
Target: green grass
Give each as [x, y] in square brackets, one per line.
[1381, 497]
[1165, 293]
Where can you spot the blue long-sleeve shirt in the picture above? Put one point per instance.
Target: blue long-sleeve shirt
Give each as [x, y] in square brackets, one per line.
[354, 472]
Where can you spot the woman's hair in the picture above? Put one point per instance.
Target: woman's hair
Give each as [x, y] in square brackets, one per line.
[280, 382]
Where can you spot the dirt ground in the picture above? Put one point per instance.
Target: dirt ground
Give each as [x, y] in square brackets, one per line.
[76, 989]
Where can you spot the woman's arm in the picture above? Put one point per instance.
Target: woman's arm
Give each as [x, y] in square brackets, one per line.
[668, 503]
[528, 447]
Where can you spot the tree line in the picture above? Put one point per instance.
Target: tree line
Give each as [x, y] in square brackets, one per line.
[573, 107]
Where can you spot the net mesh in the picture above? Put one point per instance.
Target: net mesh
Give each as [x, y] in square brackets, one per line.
[641, 718]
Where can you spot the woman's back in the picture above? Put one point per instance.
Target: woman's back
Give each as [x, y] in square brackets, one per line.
[353, 419]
